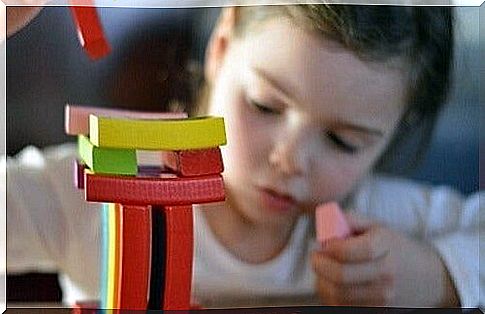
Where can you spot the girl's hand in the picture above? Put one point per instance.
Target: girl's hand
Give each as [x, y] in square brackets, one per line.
[379, 267]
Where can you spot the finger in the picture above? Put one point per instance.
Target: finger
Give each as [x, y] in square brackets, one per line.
[368, 246]
[355, 273]
[327, 292]
[358, 223]
[377, 293]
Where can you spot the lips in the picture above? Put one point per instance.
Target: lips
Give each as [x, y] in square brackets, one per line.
[276, 201]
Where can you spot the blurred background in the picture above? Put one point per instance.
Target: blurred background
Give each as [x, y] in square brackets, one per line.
[156, 52]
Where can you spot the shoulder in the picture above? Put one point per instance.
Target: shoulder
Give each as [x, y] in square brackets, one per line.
[383, 182]
[406, 192]
[410, 205]
[383, 190]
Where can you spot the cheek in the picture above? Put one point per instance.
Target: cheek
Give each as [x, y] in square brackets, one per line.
[335, 179]
[337, 174]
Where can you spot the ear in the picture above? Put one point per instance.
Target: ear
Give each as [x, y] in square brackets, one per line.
[218, 43]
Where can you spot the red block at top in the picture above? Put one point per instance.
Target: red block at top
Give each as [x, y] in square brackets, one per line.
[198, 162]
[90, 31]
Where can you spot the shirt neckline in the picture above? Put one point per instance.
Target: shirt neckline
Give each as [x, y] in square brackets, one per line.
[206, 234]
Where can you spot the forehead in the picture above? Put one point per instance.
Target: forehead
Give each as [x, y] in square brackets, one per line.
[322, 76]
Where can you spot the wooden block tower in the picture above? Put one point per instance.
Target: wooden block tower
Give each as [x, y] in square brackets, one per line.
[147, 221]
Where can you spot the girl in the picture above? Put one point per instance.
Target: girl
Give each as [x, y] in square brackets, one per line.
[315, 98]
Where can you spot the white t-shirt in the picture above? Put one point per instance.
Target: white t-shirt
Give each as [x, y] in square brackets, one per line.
[52, 228]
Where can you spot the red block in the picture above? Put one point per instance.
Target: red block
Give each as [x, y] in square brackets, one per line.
[136, 225]
[170, 191]
[178, 269]
[90, 31]
[187, 163]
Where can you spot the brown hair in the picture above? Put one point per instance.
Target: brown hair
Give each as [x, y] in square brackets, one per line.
[420, 36]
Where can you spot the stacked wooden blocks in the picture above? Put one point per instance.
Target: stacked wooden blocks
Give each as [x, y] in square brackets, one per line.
[147, 221]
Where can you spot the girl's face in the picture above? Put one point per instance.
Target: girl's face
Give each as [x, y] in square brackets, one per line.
[305, 119]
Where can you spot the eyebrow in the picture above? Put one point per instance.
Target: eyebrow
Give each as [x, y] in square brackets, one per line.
[264, 75]
[360, 128]
[268, 78]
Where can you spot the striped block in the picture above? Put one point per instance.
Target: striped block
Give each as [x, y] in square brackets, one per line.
[181, 134]
[76, 118]
[187, 163]
[107, 160]
[171, 191]
[113, 254]
[104, 256]
[110, 263]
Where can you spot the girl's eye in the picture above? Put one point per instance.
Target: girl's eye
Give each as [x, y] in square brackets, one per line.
[341, 144]
[263, 108]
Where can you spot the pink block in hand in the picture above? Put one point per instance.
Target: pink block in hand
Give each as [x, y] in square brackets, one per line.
[330, 222]
[77, 117]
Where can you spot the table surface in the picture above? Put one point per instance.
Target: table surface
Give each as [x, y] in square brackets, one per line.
[57, 308]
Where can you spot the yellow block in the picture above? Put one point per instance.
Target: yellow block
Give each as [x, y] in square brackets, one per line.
[177, 134]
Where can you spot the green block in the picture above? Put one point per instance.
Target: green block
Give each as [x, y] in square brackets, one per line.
[107, 160]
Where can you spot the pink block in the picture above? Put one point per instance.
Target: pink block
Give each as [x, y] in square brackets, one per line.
[77, 117]
[330, 222]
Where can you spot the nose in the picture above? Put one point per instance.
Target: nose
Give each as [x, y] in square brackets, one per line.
[292, 151]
